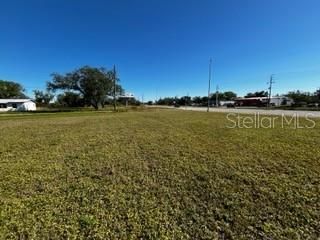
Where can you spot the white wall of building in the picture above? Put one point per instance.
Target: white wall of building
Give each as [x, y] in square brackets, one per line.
[7, 105]
[278, 101]
[27, 106]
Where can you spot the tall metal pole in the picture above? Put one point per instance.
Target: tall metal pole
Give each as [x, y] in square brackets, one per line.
[210, 64]
[271, 82]
[217, 96]
[187, 101]
[114, 88]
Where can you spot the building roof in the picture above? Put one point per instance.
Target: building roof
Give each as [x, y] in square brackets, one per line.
[261, 98]
[127, 95]
[15, 100]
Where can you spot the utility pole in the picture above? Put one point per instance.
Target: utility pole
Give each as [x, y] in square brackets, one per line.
[217, 96]
[114, 88]
[271, 82]
[210, 64]
[186, 101]
[156, 96]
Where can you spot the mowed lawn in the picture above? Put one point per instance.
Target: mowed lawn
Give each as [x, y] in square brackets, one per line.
[157, 174]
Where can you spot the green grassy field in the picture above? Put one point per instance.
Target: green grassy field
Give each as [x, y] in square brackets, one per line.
[158, 174]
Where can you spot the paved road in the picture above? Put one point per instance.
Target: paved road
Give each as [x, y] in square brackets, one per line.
[256, 111]
[298, 113]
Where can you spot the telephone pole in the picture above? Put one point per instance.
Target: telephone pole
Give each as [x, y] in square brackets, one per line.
[114, 88]
[210, 64]
[186, 101]
[217, 96]
[271, 82]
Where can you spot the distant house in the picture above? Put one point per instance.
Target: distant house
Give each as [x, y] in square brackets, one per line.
[281, 101]
[226, 103]
[7, 105]
[125, 98]
[263, 101]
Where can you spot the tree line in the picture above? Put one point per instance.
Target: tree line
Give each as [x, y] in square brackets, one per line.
[299, 97]
[197, 100]
[85, 86]
[96, 87]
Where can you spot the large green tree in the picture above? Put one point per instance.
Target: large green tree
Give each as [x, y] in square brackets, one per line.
[9, 89]
[317, 95]
[42, 97]
[93, 84]
[257, 94]
[300, 97]
[227, 96]
[70, 99]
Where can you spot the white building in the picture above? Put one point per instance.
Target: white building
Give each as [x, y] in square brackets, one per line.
[226, 103]
[281, 101]
[276, 101]
[7, 105]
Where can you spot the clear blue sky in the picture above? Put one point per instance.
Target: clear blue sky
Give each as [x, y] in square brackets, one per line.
[162, 47]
